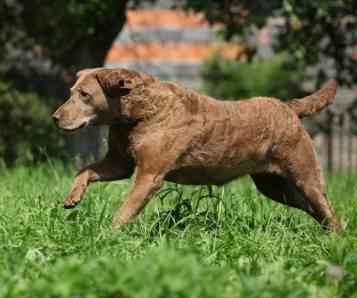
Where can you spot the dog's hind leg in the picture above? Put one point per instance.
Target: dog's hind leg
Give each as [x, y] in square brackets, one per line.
[107, 169]
[280, 189]
[303, 170]
[315, 197]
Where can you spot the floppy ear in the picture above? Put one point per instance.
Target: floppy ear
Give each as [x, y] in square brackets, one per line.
[117, 82]
[87, 71]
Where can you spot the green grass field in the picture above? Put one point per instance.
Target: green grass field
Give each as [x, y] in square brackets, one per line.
[187, 243]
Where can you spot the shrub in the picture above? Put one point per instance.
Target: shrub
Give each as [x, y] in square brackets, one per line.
[161, 273]
[228, 79]
[27, 133]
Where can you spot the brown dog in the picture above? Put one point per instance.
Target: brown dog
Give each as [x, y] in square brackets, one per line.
[166, 132]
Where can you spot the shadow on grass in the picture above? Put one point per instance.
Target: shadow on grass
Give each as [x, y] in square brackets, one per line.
[181, 208]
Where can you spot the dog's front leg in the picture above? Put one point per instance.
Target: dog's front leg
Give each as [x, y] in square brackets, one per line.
[142, 190]
[105, 170]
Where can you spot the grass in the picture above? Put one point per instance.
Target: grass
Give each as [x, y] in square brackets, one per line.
[188, 243]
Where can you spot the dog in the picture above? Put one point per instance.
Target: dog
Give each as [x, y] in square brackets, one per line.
[163, 131]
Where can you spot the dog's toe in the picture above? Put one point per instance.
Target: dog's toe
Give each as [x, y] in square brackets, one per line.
[69, 203]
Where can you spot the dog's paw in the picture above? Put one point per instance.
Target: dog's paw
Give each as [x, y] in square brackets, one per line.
[117, 223]
[73, 199]
[69, 204]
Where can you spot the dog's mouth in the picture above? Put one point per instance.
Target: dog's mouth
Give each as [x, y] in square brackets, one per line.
[74, 129]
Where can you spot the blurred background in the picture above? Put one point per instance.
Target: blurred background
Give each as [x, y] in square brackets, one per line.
[228, 49]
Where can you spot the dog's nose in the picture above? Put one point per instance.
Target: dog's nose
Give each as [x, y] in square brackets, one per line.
[56, 117]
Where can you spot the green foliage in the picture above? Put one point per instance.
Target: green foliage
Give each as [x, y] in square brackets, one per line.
[229, 79]
[189, 242]
[316, 31]
[236, 15]
[312, 32]
[70, 33]
[27, 133]
[163, 272]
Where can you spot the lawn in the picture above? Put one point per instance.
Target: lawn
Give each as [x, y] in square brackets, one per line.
[189, 242]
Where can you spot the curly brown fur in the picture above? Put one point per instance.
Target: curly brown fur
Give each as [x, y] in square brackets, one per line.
[317, 101]
[163, 131]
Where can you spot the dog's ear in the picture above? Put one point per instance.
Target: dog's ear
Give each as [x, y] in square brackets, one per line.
[87, 71]
[118, 82]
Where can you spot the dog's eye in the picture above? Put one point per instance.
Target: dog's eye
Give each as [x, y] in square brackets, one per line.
[83, 93]
[85, 96]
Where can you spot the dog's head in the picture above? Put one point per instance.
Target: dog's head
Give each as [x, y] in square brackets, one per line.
[96, 97]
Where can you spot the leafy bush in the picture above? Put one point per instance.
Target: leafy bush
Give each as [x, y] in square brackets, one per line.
[27, 133]
[228, 79]
[162, 272]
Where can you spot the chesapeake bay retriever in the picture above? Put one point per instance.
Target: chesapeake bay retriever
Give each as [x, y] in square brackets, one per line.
[163, 131]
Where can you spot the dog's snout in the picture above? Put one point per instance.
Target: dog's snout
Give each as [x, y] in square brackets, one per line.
[56, 116]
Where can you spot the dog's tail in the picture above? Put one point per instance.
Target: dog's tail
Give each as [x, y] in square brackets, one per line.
[315, 102]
